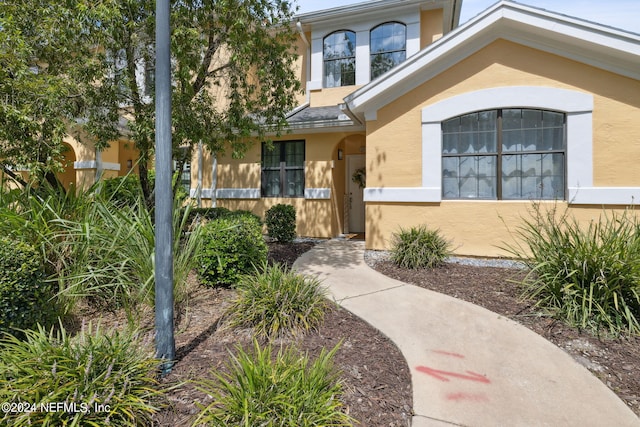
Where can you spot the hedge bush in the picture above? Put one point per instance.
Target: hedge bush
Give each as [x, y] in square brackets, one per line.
[114, 370]
[419, 247]
[281, 222]
[26, 299]
[230, 247]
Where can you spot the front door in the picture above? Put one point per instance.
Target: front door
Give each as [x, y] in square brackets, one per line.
[355, 194]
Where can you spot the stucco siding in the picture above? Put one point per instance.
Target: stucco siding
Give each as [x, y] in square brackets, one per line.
[475, 228]
[394, 143]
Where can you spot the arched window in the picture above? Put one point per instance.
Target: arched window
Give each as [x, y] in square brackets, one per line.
[504, 154]
[339, 54]
[388, 46]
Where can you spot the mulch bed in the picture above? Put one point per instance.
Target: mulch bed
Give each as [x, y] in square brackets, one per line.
[376, 378]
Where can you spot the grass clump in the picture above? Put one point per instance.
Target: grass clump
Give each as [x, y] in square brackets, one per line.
[588, 275]
[419, 247]
[93, 368]
[286, 389]
[277, 301]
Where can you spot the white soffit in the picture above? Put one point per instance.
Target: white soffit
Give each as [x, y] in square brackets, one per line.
[590, 43]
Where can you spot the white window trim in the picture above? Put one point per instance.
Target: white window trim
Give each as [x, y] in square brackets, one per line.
[363, 51]
[254, 193]
[578, 107]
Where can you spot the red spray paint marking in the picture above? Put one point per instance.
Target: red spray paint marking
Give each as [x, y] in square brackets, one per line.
[442, 375]
[467, 396]
[448, 353]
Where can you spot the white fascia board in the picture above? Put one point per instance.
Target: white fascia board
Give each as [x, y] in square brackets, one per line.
[597, 45]
[373, 9]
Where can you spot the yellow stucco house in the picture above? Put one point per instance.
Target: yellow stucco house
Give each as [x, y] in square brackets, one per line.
[409, 119]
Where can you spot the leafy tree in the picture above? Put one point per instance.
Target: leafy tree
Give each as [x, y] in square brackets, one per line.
[47, 62]
[71, 65]
[232, 75]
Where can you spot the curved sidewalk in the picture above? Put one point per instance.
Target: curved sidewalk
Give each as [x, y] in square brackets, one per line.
[469, 366]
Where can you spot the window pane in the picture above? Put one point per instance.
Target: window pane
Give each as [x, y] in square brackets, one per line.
[271, 183]
[450, 136]
[283, 169]
[271, 158]
[339, 59]
[450, 143]
[295, 183]
[294, 153]
[552, 185]
[511, 119]
[553, 131]
[387, 46]
[533, 176]
[450, 188]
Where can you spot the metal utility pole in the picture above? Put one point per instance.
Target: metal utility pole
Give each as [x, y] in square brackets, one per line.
[165, 342]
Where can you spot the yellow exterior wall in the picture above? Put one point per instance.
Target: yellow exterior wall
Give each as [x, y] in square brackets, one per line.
[315, 217]
[475, 228]
[126, 153]
[394, 142]
[430, 26]
[301, 65]
[331, 96]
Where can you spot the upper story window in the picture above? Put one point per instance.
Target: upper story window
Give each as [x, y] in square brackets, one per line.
[283, 169]
[339, 54]
[388, 45]
[504, 154]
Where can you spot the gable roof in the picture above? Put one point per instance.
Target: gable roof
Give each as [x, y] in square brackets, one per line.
[594, 44]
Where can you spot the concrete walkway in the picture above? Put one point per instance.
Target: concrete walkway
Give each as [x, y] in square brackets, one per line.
[469, 366]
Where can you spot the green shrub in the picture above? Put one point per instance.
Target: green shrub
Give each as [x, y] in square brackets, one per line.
[587, 275]
[285, 390]
[230, 246]
[209, 214]
[277, 301]
[123, 190]
[281, 222]
[113, 370]
[26, 299]
[419, 247]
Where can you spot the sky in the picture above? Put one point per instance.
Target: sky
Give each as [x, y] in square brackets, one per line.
[623, 14]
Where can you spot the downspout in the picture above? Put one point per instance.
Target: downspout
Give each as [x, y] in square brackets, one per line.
[99, 167]
[200, 165]
[214, 179]
[307, 60]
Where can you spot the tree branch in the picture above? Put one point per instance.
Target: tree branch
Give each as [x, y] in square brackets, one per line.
[17, 178]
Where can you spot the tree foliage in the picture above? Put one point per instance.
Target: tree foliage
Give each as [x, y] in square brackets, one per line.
[47, 60]
[92, 64]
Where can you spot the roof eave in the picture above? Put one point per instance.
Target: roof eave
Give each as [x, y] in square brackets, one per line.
[594, 44]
